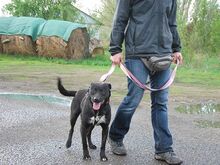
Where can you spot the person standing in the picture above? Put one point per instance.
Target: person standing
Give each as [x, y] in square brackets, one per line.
[149, 29]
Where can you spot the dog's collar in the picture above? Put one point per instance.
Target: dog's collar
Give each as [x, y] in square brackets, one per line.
[107, 101]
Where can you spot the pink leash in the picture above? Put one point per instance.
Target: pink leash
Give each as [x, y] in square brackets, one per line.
[136, 81]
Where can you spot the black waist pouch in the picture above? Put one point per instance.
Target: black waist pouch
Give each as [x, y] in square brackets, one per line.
[155, 64]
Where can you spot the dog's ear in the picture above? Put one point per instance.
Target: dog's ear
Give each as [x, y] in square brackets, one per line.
[88, 90]
[92, 84]
[110, 86]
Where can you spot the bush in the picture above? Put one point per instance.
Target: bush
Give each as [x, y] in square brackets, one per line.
[201, 36]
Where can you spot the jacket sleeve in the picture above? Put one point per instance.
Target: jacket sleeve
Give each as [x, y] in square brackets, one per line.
[120, 22]
[176, 46]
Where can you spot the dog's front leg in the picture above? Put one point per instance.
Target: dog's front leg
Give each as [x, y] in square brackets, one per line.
[83, 130]
[104, 138]
[91, 145]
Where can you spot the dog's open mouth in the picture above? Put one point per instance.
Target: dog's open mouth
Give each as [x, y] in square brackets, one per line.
[96, 105]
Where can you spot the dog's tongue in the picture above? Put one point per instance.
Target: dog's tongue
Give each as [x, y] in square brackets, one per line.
[96, 106]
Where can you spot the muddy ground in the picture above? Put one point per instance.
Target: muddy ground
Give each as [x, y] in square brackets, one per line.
[35, 131]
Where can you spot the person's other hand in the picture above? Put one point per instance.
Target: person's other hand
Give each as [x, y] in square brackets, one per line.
[177, 56]
[117, 58]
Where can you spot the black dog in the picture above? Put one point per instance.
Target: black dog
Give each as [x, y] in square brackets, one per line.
[93, 105]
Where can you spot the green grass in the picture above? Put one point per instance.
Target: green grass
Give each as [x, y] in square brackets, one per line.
[207, 73]
[198, 77]
[99, 60]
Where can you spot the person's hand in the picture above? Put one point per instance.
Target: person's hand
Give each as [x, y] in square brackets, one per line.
[177, 56]
[116, 59]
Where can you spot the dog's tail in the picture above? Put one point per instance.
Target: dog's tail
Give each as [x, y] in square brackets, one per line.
[62, 90]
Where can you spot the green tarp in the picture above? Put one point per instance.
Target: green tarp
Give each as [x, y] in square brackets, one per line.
[61, 29]
[36, 27]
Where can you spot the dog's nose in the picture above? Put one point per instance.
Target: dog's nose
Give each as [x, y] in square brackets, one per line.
[96, 99]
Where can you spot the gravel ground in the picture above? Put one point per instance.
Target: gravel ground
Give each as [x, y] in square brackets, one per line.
[34, 122]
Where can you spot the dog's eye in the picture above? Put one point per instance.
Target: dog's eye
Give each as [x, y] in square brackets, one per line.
[102, 91]
[93, 90]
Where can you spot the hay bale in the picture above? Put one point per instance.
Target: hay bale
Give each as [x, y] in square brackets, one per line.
[98, 51]
[0, 44]
[77, 46]
[51, 47]
[96, 47]
[17, 44]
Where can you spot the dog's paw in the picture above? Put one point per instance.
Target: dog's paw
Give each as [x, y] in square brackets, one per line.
[68, 144]
[92, 146]
[104, 159]
[87, 157]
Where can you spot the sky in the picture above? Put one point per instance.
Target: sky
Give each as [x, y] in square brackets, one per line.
[85, 5]
[88, 5]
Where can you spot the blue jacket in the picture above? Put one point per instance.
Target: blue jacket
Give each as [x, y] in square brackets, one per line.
[148, 28]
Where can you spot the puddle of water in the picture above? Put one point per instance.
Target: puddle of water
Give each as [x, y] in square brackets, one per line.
[207, 124]
[46, 98]
[209, 108]
[203, 108]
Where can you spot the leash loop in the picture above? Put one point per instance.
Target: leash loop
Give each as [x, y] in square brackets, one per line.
[105, 76]
[136, 81]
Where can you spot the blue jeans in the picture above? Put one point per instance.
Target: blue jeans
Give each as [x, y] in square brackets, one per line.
[159, 100]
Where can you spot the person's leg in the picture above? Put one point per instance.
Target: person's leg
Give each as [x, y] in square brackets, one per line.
[159, 114]
[159, 117]
[121, 122]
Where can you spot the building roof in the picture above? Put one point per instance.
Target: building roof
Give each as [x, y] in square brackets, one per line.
[87, 18]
